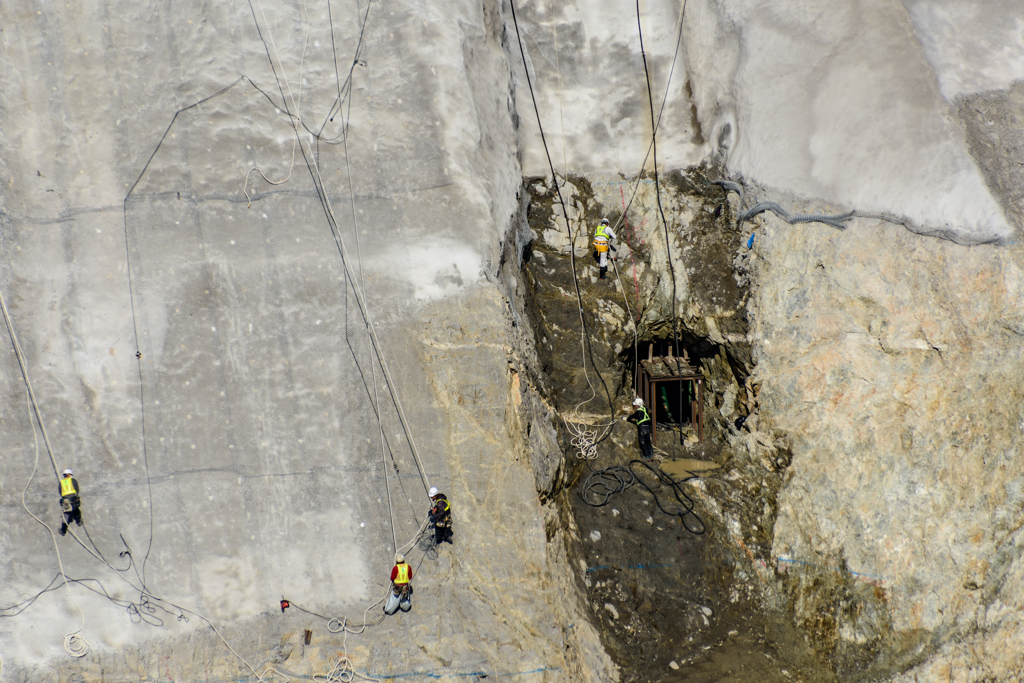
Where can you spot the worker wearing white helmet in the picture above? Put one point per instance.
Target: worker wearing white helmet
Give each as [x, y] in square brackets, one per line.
[642, 419]
[401, 590]
[70, 501]
[440, 515]
[603, 237]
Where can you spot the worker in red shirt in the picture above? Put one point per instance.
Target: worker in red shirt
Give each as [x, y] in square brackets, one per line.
[401, 590]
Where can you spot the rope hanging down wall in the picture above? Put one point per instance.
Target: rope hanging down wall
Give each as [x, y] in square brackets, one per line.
[587, 348]
[149, 604]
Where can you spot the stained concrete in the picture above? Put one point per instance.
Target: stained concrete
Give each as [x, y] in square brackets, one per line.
[245, 426]
[200, 360]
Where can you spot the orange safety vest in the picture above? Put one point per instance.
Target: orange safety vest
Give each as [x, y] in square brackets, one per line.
[67, 487]
[402, 577]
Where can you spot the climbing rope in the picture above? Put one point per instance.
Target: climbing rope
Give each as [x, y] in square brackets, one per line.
[298, 105]
[587, 351]
[314, 169]
[584, 439]
[657, 190]
[74, 645]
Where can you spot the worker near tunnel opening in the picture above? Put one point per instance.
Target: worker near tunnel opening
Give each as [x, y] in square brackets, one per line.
[642, 419]
[440, 515]
[70, 501]
[603, 237]
[401, 589]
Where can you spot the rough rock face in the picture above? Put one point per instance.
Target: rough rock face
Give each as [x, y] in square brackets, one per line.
[200, 358]
[657, 593]
[869, 350]
[865, 387]
[892, 363]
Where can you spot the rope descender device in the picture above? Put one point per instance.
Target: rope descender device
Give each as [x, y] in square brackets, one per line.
[284, 605]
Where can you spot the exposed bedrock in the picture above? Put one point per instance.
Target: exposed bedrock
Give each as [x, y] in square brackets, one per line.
[863, 397]
[658, 593]
[892, 364]
[854, 103]
[175, 188]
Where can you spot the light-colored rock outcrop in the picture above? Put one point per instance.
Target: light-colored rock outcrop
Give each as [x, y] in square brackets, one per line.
[893, 363]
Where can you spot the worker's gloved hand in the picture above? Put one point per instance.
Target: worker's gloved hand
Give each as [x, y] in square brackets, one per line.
[612, 248]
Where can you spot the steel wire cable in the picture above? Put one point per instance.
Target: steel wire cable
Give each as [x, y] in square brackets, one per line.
[657, 190]
[149, 603]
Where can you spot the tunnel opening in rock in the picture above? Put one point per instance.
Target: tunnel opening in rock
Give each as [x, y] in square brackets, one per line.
[672, 390]
[669, 375]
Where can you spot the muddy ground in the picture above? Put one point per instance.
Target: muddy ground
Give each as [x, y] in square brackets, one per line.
[675, 596]
[661, 594]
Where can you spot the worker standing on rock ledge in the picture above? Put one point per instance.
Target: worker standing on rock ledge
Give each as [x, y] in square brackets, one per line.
[401, 591]
[603, 237]
[642, 419]
[441, 516]
[70, 502]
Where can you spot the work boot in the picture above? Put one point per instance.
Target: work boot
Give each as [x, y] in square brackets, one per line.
[603, 271]
[63, 529]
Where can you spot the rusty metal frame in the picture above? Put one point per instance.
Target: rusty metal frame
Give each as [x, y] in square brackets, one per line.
[649, 385]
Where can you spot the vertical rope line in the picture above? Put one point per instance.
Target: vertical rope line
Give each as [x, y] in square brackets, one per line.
[28, 383]
[657, 190]
[584, 331]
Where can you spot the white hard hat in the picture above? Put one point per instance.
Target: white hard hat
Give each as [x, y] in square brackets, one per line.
[399, 558]
[432, 492]
[638, 401]
[604, 221]
[68, 471]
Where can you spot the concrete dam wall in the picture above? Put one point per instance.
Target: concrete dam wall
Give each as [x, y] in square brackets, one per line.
[270, 271]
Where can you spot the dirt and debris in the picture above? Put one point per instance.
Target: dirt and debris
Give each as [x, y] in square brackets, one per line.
[671, 605]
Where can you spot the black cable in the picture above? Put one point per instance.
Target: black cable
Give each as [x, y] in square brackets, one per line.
[142, 611]
[565, 214]
[661, 112]
[131, 297]
[25, 604]
[292, 603]
[657, 190]
[603, 485]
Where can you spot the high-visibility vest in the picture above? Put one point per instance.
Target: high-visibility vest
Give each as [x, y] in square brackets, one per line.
[601, 239]
[67, 487]
[402, 577]
[645, 418]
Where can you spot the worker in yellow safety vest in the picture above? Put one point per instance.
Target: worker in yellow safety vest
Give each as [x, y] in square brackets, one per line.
[440, 515]
[603, 237]
[401, 589]
[70, 501]
[642, 419]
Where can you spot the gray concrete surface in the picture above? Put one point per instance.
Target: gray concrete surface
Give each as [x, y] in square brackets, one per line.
[239, 458]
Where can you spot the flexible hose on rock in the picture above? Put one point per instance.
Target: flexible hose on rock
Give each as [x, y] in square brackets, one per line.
[603, 485]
